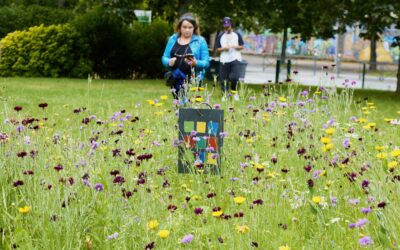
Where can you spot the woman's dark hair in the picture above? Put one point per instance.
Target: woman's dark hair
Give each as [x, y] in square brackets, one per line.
[189, 18]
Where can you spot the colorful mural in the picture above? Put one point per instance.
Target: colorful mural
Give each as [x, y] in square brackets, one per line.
[354, 47]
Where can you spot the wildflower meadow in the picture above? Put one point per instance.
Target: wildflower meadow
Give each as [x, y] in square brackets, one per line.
[93, 164]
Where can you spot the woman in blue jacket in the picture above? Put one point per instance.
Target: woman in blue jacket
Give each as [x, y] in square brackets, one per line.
[185, 50]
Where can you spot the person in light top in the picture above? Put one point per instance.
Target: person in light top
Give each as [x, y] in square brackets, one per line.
[229, 44]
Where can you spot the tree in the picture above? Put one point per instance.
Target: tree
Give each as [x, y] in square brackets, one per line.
[372, 17]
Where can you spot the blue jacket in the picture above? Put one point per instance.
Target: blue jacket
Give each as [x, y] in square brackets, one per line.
[199, 49]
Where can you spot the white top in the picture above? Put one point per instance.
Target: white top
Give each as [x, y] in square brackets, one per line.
[226, 40]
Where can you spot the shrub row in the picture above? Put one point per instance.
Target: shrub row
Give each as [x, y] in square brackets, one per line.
[96, 42]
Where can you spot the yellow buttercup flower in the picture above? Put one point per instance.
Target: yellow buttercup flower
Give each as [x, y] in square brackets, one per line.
[217, 213]
[388, 120]
[196, 89]
[362, 120]
[153, 224]
[395, 153]
[284, 248]
[379, 148]
[330, 131]
[370, 104]
[282, 99]
[24, 210]
[164, 97]
[327, 147]
[325, 140]
[392, 165]
[163, 234]
[198, 99]
[151, 102]
[158, 104]
[317, 199]
[242, 229]
[317, 92]
[271, 175]
[381, 156]
[239, 199]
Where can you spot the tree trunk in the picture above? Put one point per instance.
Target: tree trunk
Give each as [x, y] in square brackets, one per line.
[398, 78]
[284, 42]
[60, 3]
[372, 58]
[183, 7]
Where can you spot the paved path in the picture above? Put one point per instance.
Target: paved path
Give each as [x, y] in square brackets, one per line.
[259, 73]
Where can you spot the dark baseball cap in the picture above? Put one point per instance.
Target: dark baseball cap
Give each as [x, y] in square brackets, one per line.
[227, 21]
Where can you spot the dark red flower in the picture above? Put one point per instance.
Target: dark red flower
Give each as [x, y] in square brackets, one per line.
[22, 154]
[274, 160]
[17, 108]
[28, 172]
[364, 184]
[130, 152]
[58, 167]
[198, 211]
[382, 204]
[141, 181]
[254, 244]
[149, 246]
[351, 176]
[144, 157]
[116, 152]
[308, 168]
[85, 120]
[238, 215]
[172, 208]
[211, 195]
[216, 209]
[43, 105]
[165, 184]
[258, 202]
[301, 151]
[118, 179]
[18, 183]
[114, 172]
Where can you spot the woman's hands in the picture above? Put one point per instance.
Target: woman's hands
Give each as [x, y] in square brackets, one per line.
[191, 61]
[172, 61]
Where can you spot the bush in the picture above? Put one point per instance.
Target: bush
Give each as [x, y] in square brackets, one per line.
[51, 51]
[150, 41]
[119, 51]
[22, 17]
[109, 43]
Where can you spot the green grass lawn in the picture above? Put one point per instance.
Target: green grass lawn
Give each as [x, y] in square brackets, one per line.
[302, 168]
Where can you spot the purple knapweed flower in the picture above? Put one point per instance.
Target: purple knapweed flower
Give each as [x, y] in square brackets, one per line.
[223, 134]
[20, 128]
[361, 222]
[366, 210]
[333, 201]
[346, 143]
[354, 202]
[98, 187]
[365, 241]
[113, 236]
[187, 239]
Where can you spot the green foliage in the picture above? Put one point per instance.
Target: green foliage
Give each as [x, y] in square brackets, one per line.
[119, 51]
[18, 17]
[43, 51]
[109, 43]
[149, 45]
